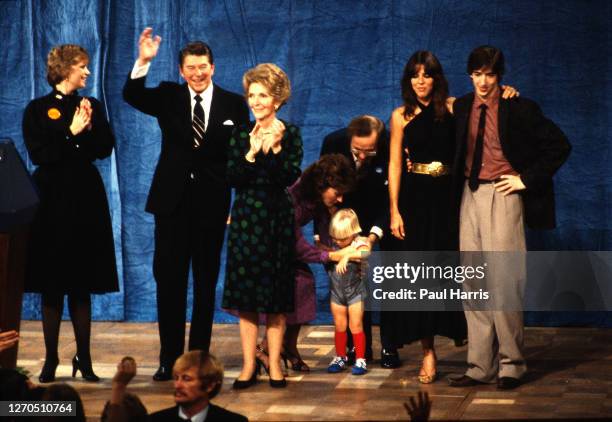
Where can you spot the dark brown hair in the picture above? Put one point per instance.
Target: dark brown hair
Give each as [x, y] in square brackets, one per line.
[364, 126]
[331, 171]
[488, 57]
[195, 48]
[433, 68]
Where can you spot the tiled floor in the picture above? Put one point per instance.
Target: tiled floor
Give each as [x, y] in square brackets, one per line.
[570, 376]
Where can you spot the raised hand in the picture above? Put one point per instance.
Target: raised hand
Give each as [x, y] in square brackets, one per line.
[147, 46]
[419, 409]
[8, 339]
[126, 370]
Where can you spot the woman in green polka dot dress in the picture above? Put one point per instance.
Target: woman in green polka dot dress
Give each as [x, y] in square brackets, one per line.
[263, 160]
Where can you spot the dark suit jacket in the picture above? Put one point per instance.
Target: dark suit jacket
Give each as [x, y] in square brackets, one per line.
[370, 200]
[171, 105]
[533, 145]
[215, 414]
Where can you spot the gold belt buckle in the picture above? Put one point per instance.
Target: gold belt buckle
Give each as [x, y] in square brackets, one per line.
[435, 168]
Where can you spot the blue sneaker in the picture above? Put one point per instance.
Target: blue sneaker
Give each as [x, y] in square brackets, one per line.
[360, 367]
[338, 364]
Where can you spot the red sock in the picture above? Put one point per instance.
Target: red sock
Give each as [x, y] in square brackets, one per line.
[359, 342]
[340, 339]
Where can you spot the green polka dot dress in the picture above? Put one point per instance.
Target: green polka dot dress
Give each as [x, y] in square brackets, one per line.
[260, 276]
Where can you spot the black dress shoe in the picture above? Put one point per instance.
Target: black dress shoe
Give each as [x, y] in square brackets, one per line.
[389, 359]
[508, 383]
[163, 373]
[463, 381]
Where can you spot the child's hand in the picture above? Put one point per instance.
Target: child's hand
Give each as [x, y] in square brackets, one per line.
[341, 267]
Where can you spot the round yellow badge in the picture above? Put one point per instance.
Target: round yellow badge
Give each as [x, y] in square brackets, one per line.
[54, 113]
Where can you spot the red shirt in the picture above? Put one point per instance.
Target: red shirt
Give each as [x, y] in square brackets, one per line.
[494, 163]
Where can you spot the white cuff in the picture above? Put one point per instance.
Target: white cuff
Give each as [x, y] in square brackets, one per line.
[316, 238]
[139, 71]
[377, 231]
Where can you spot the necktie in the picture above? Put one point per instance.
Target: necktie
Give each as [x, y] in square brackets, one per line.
[198, 122]
[477, 159]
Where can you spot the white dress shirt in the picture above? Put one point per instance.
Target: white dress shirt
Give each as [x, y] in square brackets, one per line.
[198, 417]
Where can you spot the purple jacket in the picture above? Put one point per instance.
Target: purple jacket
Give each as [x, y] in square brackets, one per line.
[305, 212]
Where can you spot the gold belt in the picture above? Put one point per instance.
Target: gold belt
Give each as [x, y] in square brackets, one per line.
[434, 169]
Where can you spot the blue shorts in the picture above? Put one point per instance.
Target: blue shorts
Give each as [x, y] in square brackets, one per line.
[348, 288]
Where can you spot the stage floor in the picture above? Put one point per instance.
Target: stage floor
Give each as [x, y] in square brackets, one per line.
[570, 376]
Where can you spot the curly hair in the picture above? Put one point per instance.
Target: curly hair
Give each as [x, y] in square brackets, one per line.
[60, 59]
[433, 68]
[272, 77]
[331, 171]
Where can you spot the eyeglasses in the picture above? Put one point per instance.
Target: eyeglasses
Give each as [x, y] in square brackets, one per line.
[367, 153]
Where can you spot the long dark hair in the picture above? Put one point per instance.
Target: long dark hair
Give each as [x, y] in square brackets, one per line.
[433, 68]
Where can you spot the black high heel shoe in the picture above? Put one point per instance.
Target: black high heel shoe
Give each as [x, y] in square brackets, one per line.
[47, 374]
[260, 364]
[297, 364]
[86, 370]
[282, 383]
[241, 385]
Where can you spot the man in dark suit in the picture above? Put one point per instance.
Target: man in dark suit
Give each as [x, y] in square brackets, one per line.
[507, 154]
[189, 195]
[198, 377]
[365, 142]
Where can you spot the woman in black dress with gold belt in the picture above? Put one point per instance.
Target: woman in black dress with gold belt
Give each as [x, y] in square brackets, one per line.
[71, 248]
[422, 211]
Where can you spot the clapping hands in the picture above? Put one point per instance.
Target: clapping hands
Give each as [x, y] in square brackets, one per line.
[265, 139]
[272, 137]
[82, 117]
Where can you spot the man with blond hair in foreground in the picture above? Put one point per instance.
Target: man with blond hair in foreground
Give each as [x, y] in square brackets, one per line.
[198, 377]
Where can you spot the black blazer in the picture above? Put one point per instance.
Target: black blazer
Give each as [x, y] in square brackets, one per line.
[533, 145]
[370, 199]
[215, 414]
[179, 163]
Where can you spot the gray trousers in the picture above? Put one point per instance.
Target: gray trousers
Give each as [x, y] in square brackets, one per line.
[490, 221]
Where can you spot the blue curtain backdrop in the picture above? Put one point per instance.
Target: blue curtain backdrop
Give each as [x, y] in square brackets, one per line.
[344, 58]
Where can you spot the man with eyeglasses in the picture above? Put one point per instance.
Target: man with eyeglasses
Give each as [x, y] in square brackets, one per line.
[366, 143]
